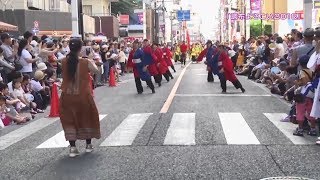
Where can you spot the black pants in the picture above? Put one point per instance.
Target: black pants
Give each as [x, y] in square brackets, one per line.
[223, 83]
[123, 67]
[73, 143]
[166, 76]
[169, 74]
[193, 58]
[173, 68]
[183, 58]
[210, 77]
[158, 79]
[139, 85]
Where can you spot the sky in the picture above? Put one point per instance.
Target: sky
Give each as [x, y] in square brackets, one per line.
[207, 10]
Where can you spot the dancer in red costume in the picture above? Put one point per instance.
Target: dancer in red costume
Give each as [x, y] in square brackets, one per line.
[220, 64]
[168, 56]
[150, 59]
[162, 66]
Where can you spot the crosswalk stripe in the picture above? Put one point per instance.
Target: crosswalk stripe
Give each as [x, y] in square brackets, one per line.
[25, 131]
[181, 130]
[287, 128]
[127, 131]
[236, 129]
[59, 141]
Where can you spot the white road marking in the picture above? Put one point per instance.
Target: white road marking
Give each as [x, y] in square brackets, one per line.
[202, 74]
[236, 129]
[181, 130]
[25, 131]
[287, 128]
[127, 131]
[223, 95]
[169, 100]
[59, 141]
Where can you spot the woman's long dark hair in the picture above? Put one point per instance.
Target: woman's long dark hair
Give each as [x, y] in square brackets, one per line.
[22, 44]
[75, 46]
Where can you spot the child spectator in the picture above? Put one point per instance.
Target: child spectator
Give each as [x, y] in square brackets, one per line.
[5, 120]
[11, 104]
[304, 104]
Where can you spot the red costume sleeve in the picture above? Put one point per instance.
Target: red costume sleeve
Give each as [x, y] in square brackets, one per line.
[148, 50]
[130, 63]
[202, 54]
[169, 54]
[228, 67]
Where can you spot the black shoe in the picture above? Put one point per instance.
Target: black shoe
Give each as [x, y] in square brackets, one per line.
[172, 77]
[153, 91]
[159, 84]
[243, 90]
[224, 92]
[140, 92]
[298, 132]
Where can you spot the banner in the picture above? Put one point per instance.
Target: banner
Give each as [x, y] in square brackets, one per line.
[124, 19]
[255, 5]
[140, 18]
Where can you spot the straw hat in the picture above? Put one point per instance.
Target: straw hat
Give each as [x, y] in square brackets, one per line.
[39, 75]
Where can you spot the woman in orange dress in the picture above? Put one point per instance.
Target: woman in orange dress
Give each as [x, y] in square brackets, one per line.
[78, 112]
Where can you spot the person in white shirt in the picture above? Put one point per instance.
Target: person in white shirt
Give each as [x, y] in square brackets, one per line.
[122, 60]
[280, 49]
[65, 48]
[25, 58]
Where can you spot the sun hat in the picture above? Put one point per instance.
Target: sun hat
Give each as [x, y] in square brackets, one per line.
[39, 75]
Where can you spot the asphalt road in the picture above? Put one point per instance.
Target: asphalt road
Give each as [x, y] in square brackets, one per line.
[200, 134]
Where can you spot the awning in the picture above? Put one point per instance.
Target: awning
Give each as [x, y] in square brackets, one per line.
[7, 27]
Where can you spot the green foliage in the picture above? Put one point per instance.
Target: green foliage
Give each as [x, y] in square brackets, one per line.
[267, 29]
[126, 6]
[256, 28]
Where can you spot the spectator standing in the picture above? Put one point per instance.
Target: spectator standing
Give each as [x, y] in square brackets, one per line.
[25, 58]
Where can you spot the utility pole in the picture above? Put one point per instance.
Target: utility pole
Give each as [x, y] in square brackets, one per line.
[156, 23]
[75, 17]
[81, 29]
[164, 21]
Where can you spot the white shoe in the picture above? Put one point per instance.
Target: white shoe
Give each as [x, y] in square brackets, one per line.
[73, 152]
[89, 148]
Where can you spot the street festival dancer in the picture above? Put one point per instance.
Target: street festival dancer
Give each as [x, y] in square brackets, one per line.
[78, 113]
[160, 62]
[150, 60]
[220, 64]
[203, 53]
[167, 57]
[137, 62]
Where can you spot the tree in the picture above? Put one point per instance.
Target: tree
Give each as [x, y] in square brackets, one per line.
[256, 28]
[126, 6]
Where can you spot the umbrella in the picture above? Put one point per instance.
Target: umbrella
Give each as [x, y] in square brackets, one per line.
[7, 27]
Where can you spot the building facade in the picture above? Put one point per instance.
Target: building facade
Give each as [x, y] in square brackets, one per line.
[39, 16]
[96, 7]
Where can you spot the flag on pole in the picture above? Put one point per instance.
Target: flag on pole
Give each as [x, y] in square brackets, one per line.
[188, 39]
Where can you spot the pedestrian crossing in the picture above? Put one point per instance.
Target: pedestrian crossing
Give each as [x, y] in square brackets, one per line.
[181, 130]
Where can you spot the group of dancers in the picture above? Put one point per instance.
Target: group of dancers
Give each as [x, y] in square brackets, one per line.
[149, 61]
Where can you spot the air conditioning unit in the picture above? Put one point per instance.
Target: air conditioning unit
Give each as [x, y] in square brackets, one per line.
[38, 4]
[30, 3]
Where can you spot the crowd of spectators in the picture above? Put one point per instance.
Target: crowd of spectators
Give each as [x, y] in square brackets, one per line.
[30, 65]
[281, 64]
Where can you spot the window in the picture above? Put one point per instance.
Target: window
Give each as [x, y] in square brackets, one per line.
[87, 9]
[54, 5]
